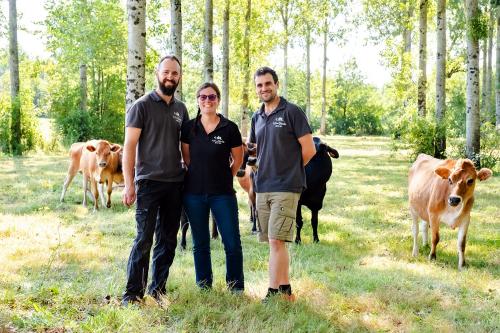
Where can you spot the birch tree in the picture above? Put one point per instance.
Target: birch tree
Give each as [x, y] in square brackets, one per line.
[225, 60]
[245, 112]
[422, 62]
[285, 8]
[497, 76]
[208, 62]
[136, 10]
[15, 128]
[440, 146]
[176, 36]
[472, 90]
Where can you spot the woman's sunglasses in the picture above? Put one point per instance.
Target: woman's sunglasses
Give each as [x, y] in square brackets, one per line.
[211, 97]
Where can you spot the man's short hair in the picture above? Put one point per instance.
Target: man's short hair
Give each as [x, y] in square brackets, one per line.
[266, 70]
[170, 57]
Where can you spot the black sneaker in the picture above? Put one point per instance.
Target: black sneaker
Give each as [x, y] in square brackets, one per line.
[130, 300]
[285, 291]
[270, 293]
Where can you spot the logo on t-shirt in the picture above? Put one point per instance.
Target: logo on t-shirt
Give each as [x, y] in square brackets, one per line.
[279, 122]
[177, 117]
[217, 140]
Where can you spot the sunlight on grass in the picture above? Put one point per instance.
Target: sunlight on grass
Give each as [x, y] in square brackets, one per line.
[64, 267]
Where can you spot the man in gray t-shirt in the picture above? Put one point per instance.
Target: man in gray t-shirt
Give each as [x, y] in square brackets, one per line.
[151, 147]
[284, 145]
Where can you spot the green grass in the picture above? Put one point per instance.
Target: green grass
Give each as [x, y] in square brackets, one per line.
[63, 267]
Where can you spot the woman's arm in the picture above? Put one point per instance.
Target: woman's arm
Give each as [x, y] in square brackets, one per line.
[185, 153]
[237, 157]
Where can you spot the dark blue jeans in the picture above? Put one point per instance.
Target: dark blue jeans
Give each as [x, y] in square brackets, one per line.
[225, 210]
[158, 213]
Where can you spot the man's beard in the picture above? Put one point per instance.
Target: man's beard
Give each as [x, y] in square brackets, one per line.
[268, 99]
[168, 91]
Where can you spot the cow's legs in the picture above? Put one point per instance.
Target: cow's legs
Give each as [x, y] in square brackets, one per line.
[69, 178]
[314, 224]
[434, 221]
[253, 216]
[85, 189]
[100, 190]
[95, 192]
[215, 232]
[299, 222]
[462, 239]
[424, 228]
[414, 229]
[184, 228]
[110, 189]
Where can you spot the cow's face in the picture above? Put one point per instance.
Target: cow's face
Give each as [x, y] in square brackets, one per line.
[462, 180]
[103, 150]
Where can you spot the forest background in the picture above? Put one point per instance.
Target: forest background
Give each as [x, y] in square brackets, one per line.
[427, 51]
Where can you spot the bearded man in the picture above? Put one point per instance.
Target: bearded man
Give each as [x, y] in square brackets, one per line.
[152, 131]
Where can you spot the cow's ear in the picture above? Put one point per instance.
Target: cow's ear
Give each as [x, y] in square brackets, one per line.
[115, 147]
[90, 148]
[443, 172]
[484, 174]
[333, 152]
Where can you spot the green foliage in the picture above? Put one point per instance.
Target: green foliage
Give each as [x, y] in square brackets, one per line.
[478, 26]
[490, 147]
[356, 105]
[5, 124]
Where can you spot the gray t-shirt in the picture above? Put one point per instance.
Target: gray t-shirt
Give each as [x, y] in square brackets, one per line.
[158, 154]
[279, 154]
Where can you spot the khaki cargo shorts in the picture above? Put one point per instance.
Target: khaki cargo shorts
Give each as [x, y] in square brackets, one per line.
[276, 212]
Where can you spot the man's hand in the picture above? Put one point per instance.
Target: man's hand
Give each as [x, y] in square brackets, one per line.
[128, 196]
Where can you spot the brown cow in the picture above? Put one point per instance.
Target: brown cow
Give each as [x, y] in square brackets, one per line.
[245, 179]
[100, 162]
[442, 191]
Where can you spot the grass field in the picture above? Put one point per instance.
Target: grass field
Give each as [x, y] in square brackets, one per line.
[62, 267]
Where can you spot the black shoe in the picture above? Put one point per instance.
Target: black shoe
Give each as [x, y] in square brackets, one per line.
[130, 300]
[270, 293]
[285, 290]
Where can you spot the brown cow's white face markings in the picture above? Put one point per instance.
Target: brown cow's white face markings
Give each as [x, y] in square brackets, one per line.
[462, 180]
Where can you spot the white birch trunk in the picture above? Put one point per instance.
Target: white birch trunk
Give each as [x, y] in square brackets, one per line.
[176, 36]
[322, 128]
[422, 59]
[472, 90]
[208, 60]
[15, 125]
[441, 76]
[136, 50]
[246, 69]
[225, 61]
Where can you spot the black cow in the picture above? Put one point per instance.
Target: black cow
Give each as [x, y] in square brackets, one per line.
[318, 172]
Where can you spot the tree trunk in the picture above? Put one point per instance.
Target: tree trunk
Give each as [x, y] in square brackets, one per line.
[225, 60]
[284, 17]
[208, 62]
[176, 36]
[422, 63]
[484, 77]
[440, 146]
[308, 72]
[15, 126]
[83, 88]
[322, 128]
[246, 70]
[490, 69]
[472, 90]
[497, 76]
[407, 29]
[136, 50]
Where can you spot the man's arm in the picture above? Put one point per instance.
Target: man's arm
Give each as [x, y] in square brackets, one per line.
[308, 148]
[132, 135]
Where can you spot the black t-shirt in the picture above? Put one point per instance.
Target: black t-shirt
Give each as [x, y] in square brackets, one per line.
[279, 153]
[158, 156]
[209, 171]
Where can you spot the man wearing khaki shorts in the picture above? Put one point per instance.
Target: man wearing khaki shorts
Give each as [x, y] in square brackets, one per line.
[284, 145]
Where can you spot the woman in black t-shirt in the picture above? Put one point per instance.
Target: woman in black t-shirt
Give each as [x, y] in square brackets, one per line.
[212, 150]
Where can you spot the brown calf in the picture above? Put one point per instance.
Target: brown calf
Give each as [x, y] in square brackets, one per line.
[442, 191]
[99, 161]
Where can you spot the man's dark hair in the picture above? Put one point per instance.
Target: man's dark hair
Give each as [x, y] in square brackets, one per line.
[266, 70]
[170, 57]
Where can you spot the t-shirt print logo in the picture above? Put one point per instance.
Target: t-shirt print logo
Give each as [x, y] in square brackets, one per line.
[177, 117]
[217, 140]
[279, 122]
